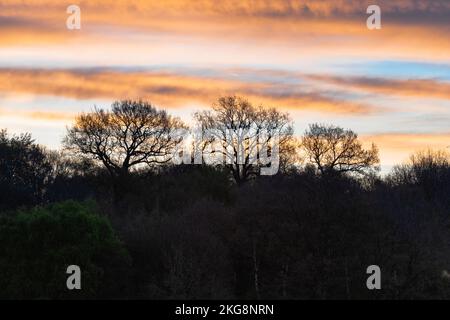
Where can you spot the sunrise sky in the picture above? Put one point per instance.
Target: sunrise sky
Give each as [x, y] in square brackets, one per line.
[315, 59]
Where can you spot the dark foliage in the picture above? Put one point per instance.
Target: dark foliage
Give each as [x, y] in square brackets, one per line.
[24, 171]
[38, 245]
[190, 231]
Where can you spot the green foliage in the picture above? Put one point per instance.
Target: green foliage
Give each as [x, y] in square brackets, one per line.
[37, 246]
[193, 233]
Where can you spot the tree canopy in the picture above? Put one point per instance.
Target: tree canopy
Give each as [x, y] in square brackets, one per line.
[24, 170]
[245, 137]
[131, 134]
[335, 150]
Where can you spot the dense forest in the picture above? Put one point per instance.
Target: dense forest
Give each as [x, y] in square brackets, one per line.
[141, 226]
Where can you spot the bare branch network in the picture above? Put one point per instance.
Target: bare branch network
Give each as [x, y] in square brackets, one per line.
[235, 134]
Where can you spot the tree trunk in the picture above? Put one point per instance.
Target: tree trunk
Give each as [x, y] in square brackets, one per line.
[255, 270]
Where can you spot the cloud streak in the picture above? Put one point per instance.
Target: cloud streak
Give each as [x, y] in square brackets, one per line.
[270, 8]
[428, 88]
[41, 115]
[411, 29]
[282, 53]
[170, 90]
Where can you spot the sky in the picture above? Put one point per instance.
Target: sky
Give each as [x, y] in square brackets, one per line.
[316, 60]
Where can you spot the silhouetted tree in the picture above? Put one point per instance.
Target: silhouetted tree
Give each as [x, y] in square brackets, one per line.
[333, 149]
[131, 134]
[25, 171]
[293, 235]
[428, 169]
[39, 244]
[239, 133]
[72, 177]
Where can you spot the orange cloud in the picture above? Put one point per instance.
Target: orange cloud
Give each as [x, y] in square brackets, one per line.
[49, 116]
[413, 87]
[318, 8]
[411, 29]
[167, 90]
[397, 147]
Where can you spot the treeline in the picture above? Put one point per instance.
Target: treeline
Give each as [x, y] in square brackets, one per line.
[142, 227]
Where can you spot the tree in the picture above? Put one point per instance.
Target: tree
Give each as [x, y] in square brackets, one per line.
[429, 169]
[25, 171]
[244, 137]
[72, 178]
[430, 166]
[39, 244]
[335, 150]
[131, 134]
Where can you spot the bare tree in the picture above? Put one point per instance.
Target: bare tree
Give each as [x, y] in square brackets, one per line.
[424, 167]
[131, 134]
[335, 150]
[244, 136]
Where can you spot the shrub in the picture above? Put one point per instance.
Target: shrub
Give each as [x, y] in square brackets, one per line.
[37, 245]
